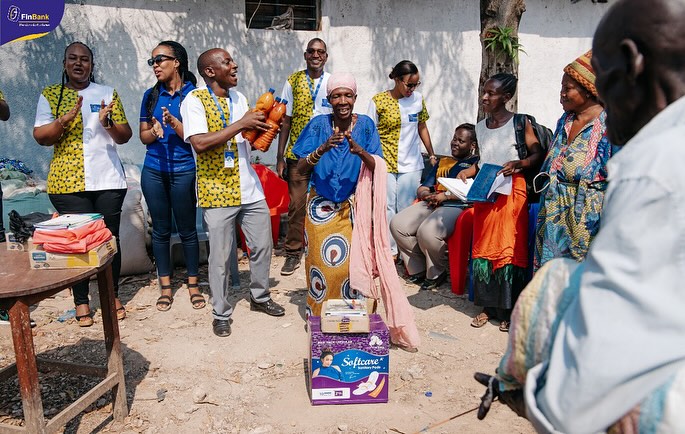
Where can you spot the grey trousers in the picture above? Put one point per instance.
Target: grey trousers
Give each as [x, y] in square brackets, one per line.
[255, 222]
[421, 234]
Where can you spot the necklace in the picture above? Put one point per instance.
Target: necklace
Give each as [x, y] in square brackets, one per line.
[354, 121]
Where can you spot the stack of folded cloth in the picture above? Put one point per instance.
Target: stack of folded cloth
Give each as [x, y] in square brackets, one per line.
[72, 233]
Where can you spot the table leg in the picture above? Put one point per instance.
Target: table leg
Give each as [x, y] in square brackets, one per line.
[27, 369]
[110, 324]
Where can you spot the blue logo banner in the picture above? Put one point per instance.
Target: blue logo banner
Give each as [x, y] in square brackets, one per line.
[28, 19]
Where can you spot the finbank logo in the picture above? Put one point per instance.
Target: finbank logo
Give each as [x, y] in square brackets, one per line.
[29, 19]
[13, 13]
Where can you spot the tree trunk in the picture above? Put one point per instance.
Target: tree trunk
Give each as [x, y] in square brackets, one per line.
[498, 13]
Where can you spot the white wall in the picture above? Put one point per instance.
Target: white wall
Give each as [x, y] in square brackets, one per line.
[553, 33]
[364, 37]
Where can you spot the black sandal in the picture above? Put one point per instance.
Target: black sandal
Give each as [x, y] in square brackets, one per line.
[197, 300]
[164, 301]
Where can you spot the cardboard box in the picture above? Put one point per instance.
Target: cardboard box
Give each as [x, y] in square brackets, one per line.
[40, 259]
[344, 316]
[14, 244]
[354, 369]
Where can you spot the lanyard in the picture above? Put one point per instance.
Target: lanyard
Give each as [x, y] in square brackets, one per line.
[313, 92]
[221, 110]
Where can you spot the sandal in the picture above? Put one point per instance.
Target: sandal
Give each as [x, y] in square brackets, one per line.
[197, 300]
[121, 313]
[480, 320]
[504, 326]
[164, 301]
[85, 320]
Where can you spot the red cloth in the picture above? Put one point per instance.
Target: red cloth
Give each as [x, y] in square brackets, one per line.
[275, 190]
[459, 247]
[77, 240]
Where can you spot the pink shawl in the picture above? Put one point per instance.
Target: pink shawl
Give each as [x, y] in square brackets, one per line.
[370, 256]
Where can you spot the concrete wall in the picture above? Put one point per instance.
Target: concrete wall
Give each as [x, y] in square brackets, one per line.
[364, 37]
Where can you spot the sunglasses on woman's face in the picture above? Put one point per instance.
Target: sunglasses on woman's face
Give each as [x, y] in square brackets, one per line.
[412, 85]
[158, 59]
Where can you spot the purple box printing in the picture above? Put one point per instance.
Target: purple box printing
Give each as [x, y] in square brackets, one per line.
[360, 364]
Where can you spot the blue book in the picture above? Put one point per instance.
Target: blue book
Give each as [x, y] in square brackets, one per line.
[482, 188]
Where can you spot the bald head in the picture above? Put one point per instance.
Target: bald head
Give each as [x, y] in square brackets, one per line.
[639, 59]
[209, 58]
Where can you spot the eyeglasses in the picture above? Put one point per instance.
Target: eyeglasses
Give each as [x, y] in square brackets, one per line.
[412, 85]
[319, 52]
[159, 59]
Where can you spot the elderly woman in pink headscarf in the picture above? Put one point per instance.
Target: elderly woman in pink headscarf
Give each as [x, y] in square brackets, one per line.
[342, 151]
[333, 148]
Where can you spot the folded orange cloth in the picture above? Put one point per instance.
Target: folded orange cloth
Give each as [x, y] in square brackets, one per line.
[78, 240]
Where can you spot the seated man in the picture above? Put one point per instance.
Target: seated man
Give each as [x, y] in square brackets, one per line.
[421, 231]
[600, 345]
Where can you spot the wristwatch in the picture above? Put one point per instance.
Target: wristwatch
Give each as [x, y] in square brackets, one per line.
[448, 193]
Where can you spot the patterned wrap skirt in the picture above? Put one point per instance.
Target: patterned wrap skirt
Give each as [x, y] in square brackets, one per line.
[327, 241]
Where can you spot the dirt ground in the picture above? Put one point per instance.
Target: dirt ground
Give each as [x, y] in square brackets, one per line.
[181, 378]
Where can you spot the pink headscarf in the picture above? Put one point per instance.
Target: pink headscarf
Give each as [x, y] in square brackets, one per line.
[341, 79]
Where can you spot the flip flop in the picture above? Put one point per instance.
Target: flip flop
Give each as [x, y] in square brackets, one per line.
[480, 320]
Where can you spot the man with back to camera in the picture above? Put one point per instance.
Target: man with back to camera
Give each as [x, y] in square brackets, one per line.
[305, 92]
[613, 356]
[229, 190]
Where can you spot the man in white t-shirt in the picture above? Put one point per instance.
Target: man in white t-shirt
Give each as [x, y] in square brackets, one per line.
[229, 190]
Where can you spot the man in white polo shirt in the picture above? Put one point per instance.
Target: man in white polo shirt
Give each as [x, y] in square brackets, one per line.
[228, 188]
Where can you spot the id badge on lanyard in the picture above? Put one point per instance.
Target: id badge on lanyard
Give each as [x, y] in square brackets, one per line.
[229, 159]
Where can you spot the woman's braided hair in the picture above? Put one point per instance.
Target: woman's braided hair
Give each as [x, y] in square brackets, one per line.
[65, 77]
[182, 56]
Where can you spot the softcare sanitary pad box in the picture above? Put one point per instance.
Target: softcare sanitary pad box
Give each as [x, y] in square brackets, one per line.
[349, 368]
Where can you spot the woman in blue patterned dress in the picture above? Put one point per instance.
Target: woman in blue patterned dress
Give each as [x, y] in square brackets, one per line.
[574, 171]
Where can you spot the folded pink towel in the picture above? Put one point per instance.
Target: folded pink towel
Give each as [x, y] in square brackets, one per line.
[370, 256]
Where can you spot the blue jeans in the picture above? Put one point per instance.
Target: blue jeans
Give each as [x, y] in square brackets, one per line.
[167, 192]
[401, 194]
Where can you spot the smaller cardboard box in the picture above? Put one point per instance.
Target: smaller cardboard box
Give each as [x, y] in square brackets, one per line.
[349, 368]
[14, 244]
[40, 259]
[344, 316]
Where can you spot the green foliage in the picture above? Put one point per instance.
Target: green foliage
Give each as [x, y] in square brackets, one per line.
[500, 40]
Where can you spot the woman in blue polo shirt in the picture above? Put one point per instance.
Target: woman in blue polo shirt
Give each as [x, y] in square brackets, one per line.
[168, 179]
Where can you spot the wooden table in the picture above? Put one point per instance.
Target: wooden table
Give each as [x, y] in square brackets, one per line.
[20, 287]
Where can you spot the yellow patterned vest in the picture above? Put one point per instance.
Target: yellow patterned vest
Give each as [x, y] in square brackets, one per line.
[444, 166]
[67, 169]
[217, 186]
[302, 108]
[390, 125]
